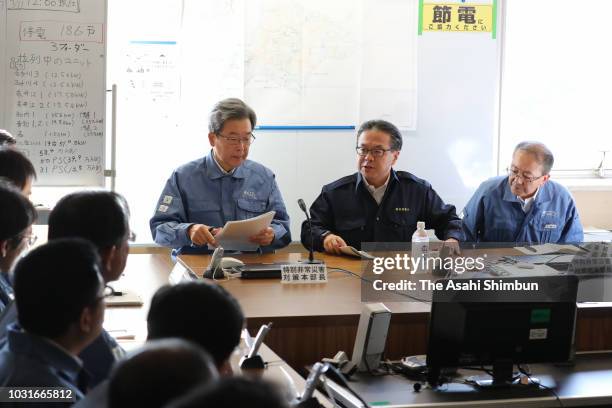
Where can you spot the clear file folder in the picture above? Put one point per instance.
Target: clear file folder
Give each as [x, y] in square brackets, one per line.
[235, 234]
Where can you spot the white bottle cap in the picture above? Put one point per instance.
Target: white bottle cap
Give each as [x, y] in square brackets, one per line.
[420, 225]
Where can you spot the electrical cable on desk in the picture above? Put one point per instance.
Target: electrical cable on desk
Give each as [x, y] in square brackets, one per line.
[540, 385]
[335, 269]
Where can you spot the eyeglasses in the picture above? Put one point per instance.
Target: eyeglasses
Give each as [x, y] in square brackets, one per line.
[362, 151]
[234, 141]
[513, 172]
[30, 239]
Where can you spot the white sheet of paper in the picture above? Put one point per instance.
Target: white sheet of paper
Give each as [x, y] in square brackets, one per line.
[351, 251]
[235, 234]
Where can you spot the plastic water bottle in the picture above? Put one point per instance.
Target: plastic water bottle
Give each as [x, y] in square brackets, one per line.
[420, 248]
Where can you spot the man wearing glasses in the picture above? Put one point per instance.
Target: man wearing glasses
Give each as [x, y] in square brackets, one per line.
[201, 196]
[525, 206]
[377, 204]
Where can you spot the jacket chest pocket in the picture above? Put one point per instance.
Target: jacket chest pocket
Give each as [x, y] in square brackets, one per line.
[549, 226]
[250, 208]
[204, 212]
[401, 223]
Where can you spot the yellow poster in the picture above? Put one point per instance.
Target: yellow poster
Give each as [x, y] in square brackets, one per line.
[459, 17]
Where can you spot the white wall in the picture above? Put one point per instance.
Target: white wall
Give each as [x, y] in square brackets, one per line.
[454, 146]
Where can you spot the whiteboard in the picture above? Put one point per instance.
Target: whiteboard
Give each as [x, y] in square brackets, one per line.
[53, 77]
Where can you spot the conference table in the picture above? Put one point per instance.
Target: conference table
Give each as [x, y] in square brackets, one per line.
[313, 321]
[144, 274]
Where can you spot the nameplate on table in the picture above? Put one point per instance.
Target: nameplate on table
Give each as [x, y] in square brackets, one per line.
[304, 273]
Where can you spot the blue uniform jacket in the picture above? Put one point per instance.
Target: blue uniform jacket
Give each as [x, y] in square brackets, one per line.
[31, 361]
[98, 357]
[346, 208]
[494, 214]
[199, 193]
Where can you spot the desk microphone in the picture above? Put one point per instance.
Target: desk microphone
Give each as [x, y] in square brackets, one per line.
[214, 270]
[311, 259]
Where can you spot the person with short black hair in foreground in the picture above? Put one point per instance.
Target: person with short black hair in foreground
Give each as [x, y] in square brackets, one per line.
[60, 297]
[201, 312]
[231, 393]
[18, 169]
[159, 372]
[16, 219]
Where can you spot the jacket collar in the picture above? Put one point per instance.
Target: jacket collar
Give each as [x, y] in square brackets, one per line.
[214, 172]
[544, 193]
[361, 181]
[21, 342]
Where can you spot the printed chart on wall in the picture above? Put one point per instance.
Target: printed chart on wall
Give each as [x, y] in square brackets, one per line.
[53, 76]
[304, 64]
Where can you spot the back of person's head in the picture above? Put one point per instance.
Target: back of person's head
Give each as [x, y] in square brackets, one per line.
[16, 216]
[54, 284]
[233, 392]
[201, 312]
[6, 139]
[101, 217]
[17, 168]
[159, 372]
[17, 212]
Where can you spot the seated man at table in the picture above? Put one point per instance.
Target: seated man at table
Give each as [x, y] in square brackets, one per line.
[18, 169]
[201, 312]
[60, 296]
[524, 206]
[102, 218]
[378, 203]
[16, 219]
[201, 196]
[159, 372]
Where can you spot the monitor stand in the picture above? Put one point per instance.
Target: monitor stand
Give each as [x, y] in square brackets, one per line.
[503, 377]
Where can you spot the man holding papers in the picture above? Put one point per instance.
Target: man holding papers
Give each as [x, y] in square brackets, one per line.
[377, 204]
[202, 195]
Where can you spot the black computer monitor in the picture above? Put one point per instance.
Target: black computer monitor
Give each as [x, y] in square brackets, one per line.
[501, 328]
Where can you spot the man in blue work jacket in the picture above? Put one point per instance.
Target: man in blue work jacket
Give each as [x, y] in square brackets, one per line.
[60, 296]
[525, 206]
[202, 195]
[377, 204]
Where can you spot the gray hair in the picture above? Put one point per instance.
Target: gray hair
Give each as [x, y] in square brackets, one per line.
[542, 154]
[386, 127]
[228, 109]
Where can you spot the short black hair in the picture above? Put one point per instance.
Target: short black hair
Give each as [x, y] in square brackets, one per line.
[17, 212]
[102, 217]
[542, 154]
[386, 127]
[233, 392]
[6, 139]
[158, 373]
[202, 312]
[54, 283]
[16, 167]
